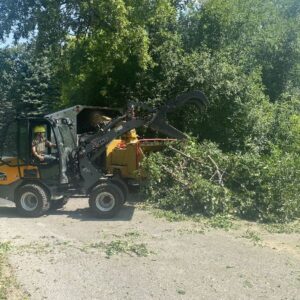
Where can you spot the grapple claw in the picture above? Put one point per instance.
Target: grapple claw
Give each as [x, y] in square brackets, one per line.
[159, 122]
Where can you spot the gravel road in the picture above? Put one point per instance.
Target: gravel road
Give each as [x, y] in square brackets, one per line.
[70, 255]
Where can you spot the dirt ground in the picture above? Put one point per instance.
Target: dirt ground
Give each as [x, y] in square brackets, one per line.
[70, 255]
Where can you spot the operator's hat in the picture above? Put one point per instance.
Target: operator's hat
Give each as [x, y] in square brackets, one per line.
[39, 128]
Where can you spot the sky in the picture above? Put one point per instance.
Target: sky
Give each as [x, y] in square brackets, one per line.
[9, 41]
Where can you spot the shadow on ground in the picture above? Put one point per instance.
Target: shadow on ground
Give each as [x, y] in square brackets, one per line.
[85, 214]
[8, 210]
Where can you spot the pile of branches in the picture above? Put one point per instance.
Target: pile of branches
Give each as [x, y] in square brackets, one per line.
[194, 178]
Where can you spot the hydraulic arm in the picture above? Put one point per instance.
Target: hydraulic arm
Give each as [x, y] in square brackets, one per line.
[156, 119]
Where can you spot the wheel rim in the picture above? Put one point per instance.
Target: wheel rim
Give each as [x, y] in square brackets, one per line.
[29, 201]
[105, 201]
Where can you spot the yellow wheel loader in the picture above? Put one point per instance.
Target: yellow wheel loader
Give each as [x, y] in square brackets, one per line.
[97, 152]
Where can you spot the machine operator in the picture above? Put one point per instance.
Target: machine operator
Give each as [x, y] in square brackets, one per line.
[39, 144]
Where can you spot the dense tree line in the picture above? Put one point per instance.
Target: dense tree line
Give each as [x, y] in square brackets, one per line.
[244, 55]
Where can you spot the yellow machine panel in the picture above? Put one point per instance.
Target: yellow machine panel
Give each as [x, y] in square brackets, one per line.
[123, 158]
[9, 170]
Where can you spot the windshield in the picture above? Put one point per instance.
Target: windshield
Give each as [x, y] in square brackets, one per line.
[9, 140]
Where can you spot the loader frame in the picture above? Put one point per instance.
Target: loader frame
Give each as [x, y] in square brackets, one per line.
[77, 170]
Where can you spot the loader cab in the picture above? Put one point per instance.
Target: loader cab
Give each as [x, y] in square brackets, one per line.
[16, 150]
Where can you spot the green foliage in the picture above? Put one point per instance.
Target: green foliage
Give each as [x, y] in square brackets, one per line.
[252, 236]
[168, 215]
[5, 247]
[222, 222]
[286, 125]
[263, 34]
[270, 185]
[109, 51]
[202, 179]
[105, 60]
[186, 184]
[120, 246]
[5, 280]
[99, 46]
[7, 75]
[27, 83]
[293, 227]
[238, 110]
[244, 55]
[35, 90]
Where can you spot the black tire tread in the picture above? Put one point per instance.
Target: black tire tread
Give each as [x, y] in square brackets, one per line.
[43, 206]
[123, 186]
[119, 198]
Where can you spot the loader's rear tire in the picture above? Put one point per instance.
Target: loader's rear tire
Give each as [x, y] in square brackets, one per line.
[106, 200]
[58, 204]
[32, 200]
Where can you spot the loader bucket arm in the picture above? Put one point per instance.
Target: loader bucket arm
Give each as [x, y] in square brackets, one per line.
[156, 119]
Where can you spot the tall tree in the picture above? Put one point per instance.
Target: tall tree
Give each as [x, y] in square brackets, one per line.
[253, 34]
[28, 85]
[6, 83]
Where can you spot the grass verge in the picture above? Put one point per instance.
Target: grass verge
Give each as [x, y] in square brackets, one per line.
[293, 227]
[224, 222]
[5, 280]
[9, 288]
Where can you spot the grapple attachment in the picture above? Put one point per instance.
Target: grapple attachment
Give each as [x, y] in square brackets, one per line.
[159, 122]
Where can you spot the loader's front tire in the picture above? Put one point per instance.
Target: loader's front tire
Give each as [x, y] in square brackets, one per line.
[106, 200]
[32, 200]
[122, 186]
